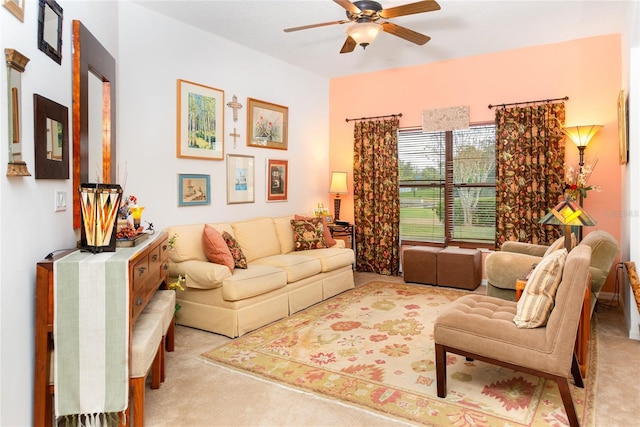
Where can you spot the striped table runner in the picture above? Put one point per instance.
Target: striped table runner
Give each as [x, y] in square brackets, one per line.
[91, 335]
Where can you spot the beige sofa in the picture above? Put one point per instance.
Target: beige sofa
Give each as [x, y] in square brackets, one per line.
[278, 281]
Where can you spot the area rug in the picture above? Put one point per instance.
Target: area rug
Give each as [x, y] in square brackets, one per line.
[372, 347]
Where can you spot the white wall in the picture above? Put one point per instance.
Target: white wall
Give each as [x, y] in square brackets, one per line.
[152, 51]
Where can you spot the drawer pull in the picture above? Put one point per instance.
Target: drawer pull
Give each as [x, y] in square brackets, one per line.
[164, 247]
[165, 267]
[141, 270]
[139, 301]
[154, 258]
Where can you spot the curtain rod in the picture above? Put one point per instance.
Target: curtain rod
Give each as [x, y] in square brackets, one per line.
[547, 101]
[376, 117]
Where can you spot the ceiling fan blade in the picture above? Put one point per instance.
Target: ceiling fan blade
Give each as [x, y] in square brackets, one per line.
[409, 9]
[405, 33]
[323, 24]
[348, 6]
[349, 45]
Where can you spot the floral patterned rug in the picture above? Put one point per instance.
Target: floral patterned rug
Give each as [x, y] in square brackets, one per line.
[373, 347]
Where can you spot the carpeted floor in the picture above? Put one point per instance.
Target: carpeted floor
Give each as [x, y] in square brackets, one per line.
[198, 394]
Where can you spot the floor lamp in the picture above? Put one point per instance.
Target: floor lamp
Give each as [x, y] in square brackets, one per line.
[568, 213]
[338, 186]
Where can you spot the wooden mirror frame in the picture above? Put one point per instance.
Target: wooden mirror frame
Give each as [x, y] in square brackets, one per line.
[47, 168]
[53, 52]
[89, 56]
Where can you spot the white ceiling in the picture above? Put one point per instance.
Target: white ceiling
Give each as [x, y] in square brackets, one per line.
[461, 28]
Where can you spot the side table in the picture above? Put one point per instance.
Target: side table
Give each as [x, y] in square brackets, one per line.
[346, 233]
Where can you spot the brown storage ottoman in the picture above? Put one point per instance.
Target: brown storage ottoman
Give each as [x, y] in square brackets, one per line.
[419, 264]
[460, 268]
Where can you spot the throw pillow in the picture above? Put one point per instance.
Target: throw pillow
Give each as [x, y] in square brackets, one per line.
[239, 260]
[308, 234]
[559, 244]
[328, 238]
[216, 248]
[538, 297]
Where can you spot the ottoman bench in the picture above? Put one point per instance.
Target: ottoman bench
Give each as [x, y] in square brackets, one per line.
[419, 264]
[459, 268]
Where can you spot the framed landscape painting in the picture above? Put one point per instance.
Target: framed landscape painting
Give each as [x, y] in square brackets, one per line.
[200, 121]
[194, 190]
[277, 180]
[267, 125]
[240, 179]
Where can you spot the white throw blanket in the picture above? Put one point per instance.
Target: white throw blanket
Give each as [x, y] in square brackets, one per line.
[91, 336]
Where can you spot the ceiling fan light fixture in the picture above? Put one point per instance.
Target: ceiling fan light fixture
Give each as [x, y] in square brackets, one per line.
[364, 32]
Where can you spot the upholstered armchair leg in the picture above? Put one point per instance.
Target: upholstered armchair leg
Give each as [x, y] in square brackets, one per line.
[441, 370]
[575, 371]
[565, 393]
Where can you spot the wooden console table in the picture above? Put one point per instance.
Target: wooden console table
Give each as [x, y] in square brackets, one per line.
[148, 272]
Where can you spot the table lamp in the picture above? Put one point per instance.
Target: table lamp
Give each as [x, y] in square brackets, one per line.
[99, 204]
[569, 214]
[338, 186]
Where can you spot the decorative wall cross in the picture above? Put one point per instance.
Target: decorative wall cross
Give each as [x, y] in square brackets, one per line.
[234, 134]
[235, 106]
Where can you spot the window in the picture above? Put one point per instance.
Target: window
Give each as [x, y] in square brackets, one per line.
[447, 185]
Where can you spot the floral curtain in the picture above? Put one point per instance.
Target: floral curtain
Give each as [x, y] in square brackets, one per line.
[529, 171]
[376, 196]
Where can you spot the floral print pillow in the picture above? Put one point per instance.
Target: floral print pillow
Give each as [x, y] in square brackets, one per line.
[308, 234]
[239, 260]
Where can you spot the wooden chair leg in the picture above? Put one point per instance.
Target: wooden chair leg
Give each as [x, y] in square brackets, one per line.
[137, 392]
[441, 370]
[576, 372]
[162, 357]
[570, 409]
[156, 367]
[170, 337]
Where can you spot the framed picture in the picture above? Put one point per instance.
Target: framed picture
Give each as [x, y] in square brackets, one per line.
[200, 121]
[16, 7]
[240, 179]
[50, 29]
[267, 125]
[622, 127]
[277, 180]
[194, 190]
[51, 137]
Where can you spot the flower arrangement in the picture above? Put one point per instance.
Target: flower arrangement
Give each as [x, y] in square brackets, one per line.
[126, 205]
[178, 284]
[577, 181]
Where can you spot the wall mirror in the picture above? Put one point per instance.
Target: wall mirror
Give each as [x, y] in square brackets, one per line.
[50, 29]
[51, 139]
[93, 67]
[16, 63]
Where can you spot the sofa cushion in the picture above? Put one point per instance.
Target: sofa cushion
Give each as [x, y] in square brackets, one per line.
[255, 280]
[537, 299]
[187, 243]
[201, 274]
[239, 259]
[257, 238]
[284, 232]
[296, 266]
[328, 238]
[559, 244]
[215, 247]
[308, 234]
[331, 258]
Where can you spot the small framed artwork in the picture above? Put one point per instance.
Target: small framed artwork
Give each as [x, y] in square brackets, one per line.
[16, 7]
[277, 180]
[51, 137]
[194, 190]
[200, 121]
[240, 179]
[622, 127]
[267, 125]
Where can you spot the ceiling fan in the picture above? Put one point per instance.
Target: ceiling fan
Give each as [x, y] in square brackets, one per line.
[364, 16]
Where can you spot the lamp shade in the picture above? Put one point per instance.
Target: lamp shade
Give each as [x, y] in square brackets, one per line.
[568, 212]
[364, 32]
[338, 183]
[581, 135]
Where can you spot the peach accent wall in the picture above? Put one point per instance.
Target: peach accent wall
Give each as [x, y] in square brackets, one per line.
[588, 71]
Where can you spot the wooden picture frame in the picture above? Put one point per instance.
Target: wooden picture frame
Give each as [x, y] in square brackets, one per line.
[277, 180]
[267, 125]
[240, 179]
[622, 127]
[16, 7]
[200, 116]
[51, 138]
[194, 189]
[50, 29]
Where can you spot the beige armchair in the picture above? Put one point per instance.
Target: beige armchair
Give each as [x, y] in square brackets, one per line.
[481, 327]
[514, 259]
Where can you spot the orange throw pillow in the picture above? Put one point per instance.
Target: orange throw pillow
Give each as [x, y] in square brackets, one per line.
[329, 240]
[215, 247]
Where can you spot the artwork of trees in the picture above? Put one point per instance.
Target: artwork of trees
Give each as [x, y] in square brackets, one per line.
[202, 122]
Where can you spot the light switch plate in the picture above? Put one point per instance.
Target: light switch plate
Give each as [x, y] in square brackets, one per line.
[60, 201]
